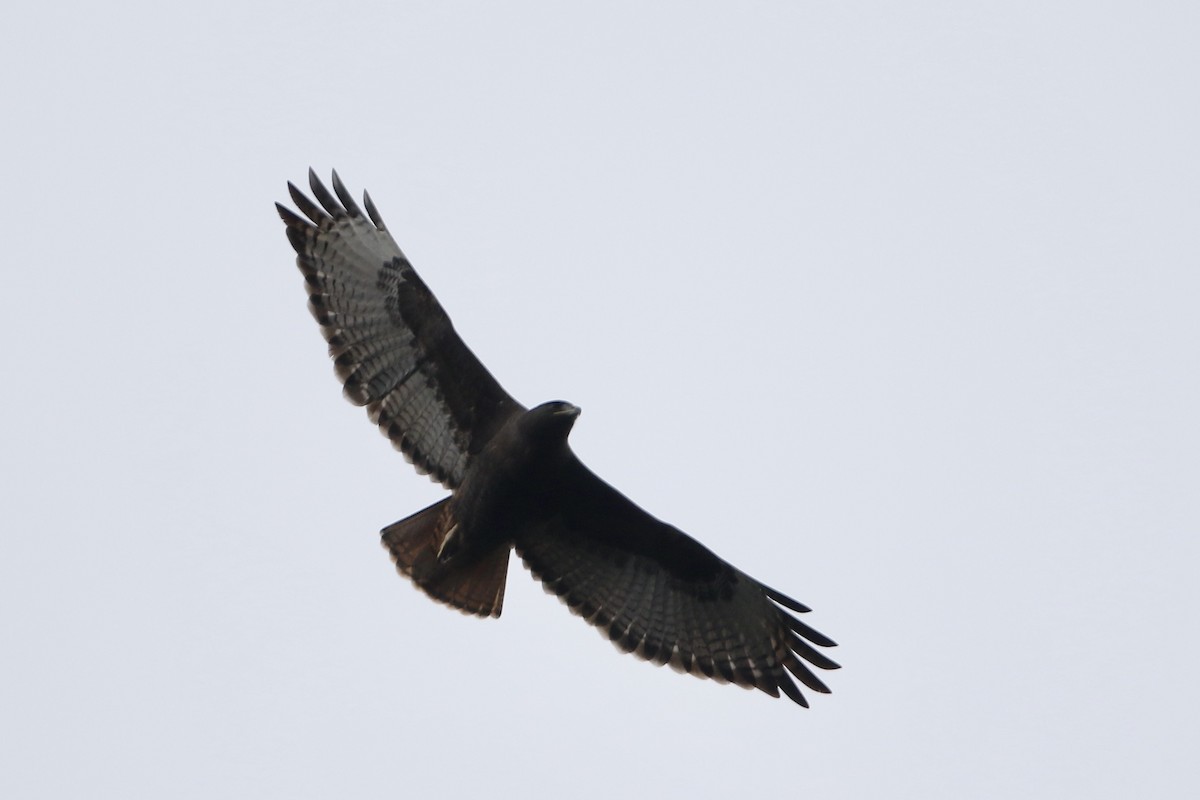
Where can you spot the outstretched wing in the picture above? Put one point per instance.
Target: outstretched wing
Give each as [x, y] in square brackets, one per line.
[660, 594]
[393, 346]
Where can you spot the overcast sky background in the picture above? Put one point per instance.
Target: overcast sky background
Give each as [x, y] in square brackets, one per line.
[894, 306]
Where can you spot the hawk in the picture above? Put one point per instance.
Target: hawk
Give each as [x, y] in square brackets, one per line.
[514, 481]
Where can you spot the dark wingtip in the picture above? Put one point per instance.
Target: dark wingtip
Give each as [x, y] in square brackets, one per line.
[809, 633]
[792, 691]
[286, 214]
[327, 200]
[785, 601]
[347, 199]
[804, 674]
[307, 207]
[373, 212]
[810, 653]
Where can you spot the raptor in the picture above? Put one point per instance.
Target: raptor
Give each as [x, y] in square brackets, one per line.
[515, 483]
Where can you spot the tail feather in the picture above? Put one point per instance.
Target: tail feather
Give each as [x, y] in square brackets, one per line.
[475, 586]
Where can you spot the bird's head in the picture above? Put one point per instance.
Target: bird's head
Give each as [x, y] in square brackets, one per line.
[550, 421]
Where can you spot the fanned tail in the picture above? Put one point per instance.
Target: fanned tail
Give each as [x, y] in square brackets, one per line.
[475, 586]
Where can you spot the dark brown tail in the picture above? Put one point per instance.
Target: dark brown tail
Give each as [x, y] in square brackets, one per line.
[476, 586]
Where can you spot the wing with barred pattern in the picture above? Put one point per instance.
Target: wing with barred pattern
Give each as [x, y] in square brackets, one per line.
[393, 346]
[658, 593]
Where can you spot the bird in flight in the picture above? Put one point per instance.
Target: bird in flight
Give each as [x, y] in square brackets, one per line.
[514, 481]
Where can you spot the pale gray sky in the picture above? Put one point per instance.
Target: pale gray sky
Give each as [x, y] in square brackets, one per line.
[894, 306]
